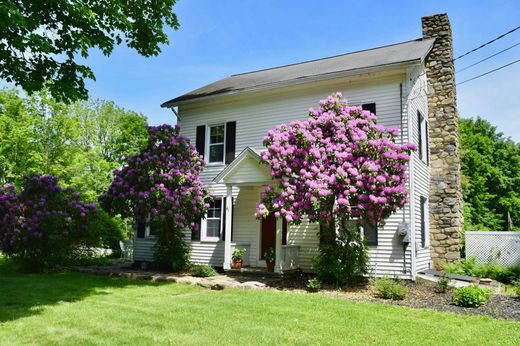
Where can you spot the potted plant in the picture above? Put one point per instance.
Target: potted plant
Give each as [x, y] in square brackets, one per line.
[269, 259]
[238, 257]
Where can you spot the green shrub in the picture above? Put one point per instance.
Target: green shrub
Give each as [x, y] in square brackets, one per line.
[492, 270]
[313, 285]
[517, 288]
[343, 261]
[171, 250]
[470, 296]
[105, 232]
[390, 289]
[203, 271]
[443, 284]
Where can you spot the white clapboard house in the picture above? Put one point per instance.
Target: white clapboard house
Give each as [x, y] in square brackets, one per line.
[228, 119]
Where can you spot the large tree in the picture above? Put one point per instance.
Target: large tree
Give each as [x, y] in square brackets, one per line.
[490, 166]
[161, 186]
[335, 166]
[43, 43]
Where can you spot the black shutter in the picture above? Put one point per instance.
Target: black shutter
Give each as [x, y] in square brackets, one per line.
[284, 232]
[427, 143]
[419, 126]
[423, 221]
[231, 131]
[223, 224]
[200, 140]
[370, 233]
[369, 107]
[140, 229]
[195, 233]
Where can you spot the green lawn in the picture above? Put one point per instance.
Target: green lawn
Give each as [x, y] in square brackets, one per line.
[80, 309]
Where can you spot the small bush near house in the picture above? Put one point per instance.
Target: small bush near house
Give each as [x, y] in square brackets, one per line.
[517, 289]
[470, 296]
[105, 232]
[492, 270]
[443, 284]
[313, 285]
[203, 271]
[390, 289]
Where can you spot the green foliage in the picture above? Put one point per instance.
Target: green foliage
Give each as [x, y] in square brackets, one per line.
[105, 232]
[313, 285]
[203, 271]
[490, 165]
[344, 260]
[443, 284]
[58, 35]
[172, 252]
[492, 270]
[387, 288]
[470, 296]
[269, 255]
[238, 254]
[517, 288]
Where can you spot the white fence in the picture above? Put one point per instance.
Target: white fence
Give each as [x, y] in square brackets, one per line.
[504, 247]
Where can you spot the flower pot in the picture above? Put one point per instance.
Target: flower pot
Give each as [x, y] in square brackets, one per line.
[270, 266]
[237, 264]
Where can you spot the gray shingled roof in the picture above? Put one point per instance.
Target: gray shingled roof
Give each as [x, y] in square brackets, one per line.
[377, 57]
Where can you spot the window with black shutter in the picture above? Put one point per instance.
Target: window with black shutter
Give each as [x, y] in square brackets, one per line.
[370, 233]
[195, 231]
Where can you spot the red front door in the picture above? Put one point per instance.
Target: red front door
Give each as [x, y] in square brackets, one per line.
[268, 236]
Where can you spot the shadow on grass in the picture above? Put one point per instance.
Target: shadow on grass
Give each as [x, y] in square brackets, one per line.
[23, 294]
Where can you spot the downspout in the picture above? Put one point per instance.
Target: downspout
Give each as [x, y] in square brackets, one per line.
[411, 188]
[405, 245]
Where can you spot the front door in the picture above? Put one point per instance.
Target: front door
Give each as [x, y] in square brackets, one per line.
[268, 236]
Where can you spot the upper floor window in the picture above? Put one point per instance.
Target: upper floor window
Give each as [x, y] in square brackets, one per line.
[216, 140]
[423, 137]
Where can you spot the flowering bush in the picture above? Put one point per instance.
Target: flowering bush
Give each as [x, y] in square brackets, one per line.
[43, 224]
[338, 164]
[161, 184]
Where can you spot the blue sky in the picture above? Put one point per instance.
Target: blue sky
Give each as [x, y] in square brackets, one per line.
[220, 38]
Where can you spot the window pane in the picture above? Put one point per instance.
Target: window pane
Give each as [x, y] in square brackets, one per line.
[216, 153]
[216, 134]
[213, 229]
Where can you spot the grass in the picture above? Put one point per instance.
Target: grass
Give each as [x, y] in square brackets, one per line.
[79, 309]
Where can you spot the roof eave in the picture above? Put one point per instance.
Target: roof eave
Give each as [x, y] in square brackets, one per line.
[315, 78]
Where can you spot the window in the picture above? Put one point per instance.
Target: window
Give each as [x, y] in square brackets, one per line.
[423, 137]
[212, 224]
[425, 236]
[217, 134]
[370, 232]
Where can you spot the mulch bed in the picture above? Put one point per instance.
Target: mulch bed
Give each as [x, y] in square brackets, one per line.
[421, 295]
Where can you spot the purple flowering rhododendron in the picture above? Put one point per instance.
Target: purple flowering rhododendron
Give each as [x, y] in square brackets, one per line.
[338, 164]
[161, 183]
[43, 223]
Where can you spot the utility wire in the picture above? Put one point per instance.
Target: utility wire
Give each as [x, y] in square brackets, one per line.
[489, 57]
[489, 42]
[488, 72]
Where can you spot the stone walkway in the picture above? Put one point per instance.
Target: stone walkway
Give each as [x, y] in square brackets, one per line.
[218, 282]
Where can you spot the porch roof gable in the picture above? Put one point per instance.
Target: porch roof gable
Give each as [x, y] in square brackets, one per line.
[245, 169]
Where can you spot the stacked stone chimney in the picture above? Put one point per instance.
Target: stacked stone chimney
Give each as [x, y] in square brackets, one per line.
[446, 217]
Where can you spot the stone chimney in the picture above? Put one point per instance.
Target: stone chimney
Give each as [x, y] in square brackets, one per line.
[446, 217]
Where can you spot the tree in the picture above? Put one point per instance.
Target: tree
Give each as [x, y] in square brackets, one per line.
[337, 165]
[490, 165]
[43, 42]
[161, 186]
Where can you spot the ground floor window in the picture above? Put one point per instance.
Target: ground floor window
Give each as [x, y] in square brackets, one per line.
[212, 224]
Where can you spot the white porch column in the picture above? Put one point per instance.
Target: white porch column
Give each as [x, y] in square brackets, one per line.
[227, 240]
[278, 252]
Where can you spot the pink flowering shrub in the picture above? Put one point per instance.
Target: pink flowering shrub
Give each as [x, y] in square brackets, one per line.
[43, 224]
[337, 165]
[161, 184]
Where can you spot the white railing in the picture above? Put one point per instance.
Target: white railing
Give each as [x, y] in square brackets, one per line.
[503, 247]
[290, 257]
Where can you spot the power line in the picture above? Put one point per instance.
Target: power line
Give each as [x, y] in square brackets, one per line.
[488, 72]
[489, 57]
[489, 42]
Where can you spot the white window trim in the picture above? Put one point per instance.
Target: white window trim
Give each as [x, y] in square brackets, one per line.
[204, 224]
[424, 137]
[426, 224]
[207, 145]
[147, 228]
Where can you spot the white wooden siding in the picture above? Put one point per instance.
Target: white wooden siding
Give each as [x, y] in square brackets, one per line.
[255, 115]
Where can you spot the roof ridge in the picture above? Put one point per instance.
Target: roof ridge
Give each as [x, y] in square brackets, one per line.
[325, 58]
